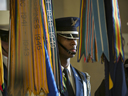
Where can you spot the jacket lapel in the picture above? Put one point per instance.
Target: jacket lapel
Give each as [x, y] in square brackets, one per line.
[78, 82]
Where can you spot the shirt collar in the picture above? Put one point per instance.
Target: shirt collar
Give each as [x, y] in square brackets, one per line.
[69, 69]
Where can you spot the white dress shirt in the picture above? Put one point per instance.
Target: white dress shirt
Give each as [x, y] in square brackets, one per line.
[5, 60]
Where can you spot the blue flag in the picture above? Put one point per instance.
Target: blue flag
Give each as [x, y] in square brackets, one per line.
[53, 91]
[115, 84]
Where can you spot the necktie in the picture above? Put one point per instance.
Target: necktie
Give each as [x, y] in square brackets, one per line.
[68, 84]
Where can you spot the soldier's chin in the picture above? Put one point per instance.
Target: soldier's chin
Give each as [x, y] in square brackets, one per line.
[73, 54]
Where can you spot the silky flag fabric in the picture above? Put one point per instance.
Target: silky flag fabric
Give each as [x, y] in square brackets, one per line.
[28, 63]
[81, 45]
[53, 91]
[1, 69]
[86, 30]
[93, 30]
[118, 46]
[45, 29]
[38, 49]
[12, 49]
[100, 28]
[115, 83]
[54, 49]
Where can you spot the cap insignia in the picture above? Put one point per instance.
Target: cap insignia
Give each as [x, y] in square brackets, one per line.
[73, 22]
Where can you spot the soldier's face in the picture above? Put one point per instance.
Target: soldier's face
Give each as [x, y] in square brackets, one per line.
[70, 44]
[5, 46]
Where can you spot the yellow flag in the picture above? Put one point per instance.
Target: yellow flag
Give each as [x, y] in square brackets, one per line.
[27, 63]
[1, 67]
[110, 82]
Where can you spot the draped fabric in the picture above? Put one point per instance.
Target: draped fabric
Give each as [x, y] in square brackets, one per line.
[28, 60]
[115, 83]
[45, 29]
[93, 33]
[1, 69]
[100, 20]
[118, 46]
[53, 91]
[54, 47]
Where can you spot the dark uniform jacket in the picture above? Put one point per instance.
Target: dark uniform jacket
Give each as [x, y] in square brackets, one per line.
[5, 81]
[79, 78]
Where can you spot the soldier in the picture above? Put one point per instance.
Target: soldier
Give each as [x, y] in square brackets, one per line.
[77, 83]
[4, 34]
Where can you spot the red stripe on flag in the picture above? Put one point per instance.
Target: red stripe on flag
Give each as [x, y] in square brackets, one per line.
[116, 28]
[1, 88]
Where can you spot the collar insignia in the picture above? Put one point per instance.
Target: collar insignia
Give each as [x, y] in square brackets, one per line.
[76, 75]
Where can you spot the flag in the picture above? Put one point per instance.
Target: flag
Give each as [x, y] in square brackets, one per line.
[53, 43]
[1, 69]
[28, 59]
[93, 40]
[115, 83]
[53, 91]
